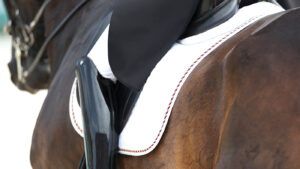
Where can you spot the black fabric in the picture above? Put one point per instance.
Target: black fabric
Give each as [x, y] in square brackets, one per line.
[288, 4]
[141, 32]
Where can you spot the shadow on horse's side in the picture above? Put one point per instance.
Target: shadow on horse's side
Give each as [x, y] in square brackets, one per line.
[238, 109]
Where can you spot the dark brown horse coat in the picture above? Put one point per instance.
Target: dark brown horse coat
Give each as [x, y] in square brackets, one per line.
[238, 109]
[54, 143]
[262, 127]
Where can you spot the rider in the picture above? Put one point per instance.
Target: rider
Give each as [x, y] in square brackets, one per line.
[140, 34]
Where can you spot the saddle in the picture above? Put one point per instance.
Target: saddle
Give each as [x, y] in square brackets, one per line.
[289, 4]
[150, 114]
[98, 95]
[211, 15]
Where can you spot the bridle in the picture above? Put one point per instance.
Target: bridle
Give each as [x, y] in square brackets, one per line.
[23, 35]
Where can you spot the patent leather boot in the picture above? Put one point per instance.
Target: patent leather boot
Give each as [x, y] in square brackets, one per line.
[125, 101]
[96, 101]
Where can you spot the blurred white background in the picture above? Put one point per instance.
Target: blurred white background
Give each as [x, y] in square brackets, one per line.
[19, 111]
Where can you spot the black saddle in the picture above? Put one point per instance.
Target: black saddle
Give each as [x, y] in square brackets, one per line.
[210, 15]
[289, 4]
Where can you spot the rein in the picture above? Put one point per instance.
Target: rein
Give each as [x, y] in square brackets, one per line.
[25, 40]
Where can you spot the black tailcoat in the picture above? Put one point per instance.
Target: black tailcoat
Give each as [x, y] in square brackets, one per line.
[141, 32]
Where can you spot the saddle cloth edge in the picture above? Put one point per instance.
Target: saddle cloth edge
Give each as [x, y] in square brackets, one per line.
[147, 123]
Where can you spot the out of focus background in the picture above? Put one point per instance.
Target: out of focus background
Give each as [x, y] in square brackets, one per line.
[18, 110]
[3, 17]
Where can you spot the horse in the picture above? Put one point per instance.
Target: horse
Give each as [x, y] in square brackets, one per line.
[239, 108]
[30, 67]
[57, 46]
[23, 39]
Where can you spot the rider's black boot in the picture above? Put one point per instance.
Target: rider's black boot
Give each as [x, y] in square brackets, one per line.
[96, 101]
[125, 101]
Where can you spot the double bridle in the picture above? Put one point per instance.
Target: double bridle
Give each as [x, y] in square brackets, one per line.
[23, 35]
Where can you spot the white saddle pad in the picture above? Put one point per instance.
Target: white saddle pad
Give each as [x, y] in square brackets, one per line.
[150, 115]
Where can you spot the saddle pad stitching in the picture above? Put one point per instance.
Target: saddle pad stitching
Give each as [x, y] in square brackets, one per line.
[180, 82]
[73, 112]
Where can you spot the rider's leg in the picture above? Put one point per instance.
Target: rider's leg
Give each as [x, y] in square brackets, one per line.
[125, 101]
[96, 101]
[141, 32]
[125, 98]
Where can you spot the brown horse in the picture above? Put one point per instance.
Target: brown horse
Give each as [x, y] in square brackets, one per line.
[27, 22]
[239, 108]
[26, 43]
[53, 130]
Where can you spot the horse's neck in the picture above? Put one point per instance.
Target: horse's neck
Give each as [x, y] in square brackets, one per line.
[55, 13]
[92, 19]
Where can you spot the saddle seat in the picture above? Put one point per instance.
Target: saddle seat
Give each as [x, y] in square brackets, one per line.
[153, 108]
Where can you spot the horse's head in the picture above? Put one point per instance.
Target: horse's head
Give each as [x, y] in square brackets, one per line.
[29, 66]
